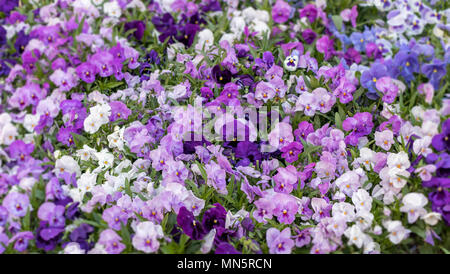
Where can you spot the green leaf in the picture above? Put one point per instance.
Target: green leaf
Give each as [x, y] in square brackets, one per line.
[337, 20]
[26, 220]
[358, 93]
[79, 140]
[445, 250]
[206, 196]
[125, 235]
[412, 99]
[78, 31]
[164, 222]
[192, 186]
[202, 171]
[183, 240]
[194, 247]
[141, 196]
[231, 185]
[93, 223]
[112, 85]
[127, 187]
[341, 111]
[314, 83]
[317, 122]
[338, 120]
[142, 219]
[307, 83]
[418, 231]
[170, 248]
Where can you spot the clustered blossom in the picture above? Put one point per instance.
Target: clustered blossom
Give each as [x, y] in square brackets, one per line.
[225, 127]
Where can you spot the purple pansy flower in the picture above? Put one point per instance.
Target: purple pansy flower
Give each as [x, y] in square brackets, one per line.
[21, 240]
[279, 242]
[191, 227]
[16, 203]
[119, 111]
[280, 12]
[87, 71]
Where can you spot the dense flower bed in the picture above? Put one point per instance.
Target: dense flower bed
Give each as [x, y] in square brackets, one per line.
[176, 126]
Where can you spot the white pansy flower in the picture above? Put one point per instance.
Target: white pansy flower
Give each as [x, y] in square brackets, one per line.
[261, 28]
[91, 124]
[105, 159]
[140, 164]
[362, 200]
[122, 165]
[5, 118]
[27, 183]
[249, 14]
[399, 160]
[413, 204]
[366, 157]
[431, 218]
[438, 32]
[429, 128]
[57, 154]
[8, 134]
[237, 25]
[102, 112]
[230, 37]
[364, 219]
[115, 140]
[86, 182]
[345, 210]
[205, 38]
[421, 146]
[30, 122]
[355, 236]
[137, 4]
[291, 63]
[417, 112]
[86, 153]
[396, 177]
[397, 232]
[73, 248]
[112, 9]
[67, 164]
[73, 193]
[262, 15]
[115, 183]
[407, 130]
[178, 91]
